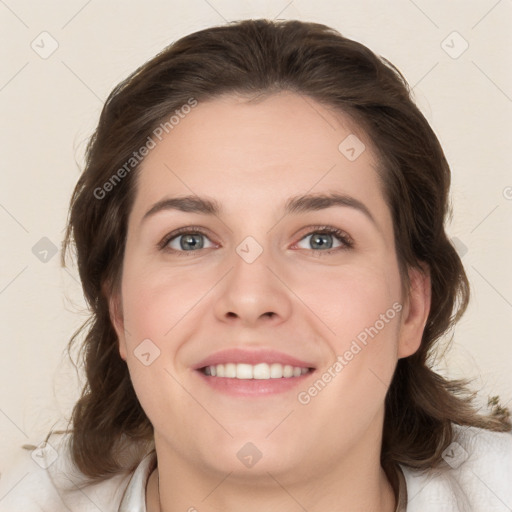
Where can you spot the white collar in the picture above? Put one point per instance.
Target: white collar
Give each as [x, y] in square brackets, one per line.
[134, 497]
[483, 480]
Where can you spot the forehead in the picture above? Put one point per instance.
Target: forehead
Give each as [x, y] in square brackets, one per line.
[247, 154]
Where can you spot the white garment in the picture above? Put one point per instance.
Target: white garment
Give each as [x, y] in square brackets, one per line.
[479, 481]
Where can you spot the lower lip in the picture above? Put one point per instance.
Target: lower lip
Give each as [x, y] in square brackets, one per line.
[253, 387]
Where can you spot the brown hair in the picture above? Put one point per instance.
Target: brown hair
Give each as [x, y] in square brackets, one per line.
[251, 58]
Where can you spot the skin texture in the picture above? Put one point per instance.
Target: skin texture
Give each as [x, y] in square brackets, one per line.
[251, 157]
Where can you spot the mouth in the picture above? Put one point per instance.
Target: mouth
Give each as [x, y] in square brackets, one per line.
[260, 371]
[238, 372]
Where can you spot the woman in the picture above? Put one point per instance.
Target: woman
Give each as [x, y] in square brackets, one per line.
[259, 234]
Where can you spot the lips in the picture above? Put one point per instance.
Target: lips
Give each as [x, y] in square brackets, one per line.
[252, 357]
[243, 373]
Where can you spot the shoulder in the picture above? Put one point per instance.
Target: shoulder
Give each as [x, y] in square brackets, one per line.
[477, 475]
[46, 479]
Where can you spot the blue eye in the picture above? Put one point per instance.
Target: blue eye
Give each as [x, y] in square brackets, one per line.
[325, 239]
[188, 241]
[322, 240]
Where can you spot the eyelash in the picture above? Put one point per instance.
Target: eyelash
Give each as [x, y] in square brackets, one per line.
[324, 230]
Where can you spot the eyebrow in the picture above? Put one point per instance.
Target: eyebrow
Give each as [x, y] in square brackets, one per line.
[294, 205]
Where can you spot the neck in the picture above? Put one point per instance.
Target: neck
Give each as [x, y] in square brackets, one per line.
[357, 484]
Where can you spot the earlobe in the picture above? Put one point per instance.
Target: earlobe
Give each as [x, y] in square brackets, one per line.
[415, 312]
[116, 317]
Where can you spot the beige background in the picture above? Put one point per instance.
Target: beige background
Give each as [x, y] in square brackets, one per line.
[50, 106]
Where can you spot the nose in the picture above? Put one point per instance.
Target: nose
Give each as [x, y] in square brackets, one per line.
[253, 293]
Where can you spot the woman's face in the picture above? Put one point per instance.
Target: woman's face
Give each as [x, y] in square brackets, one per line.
[295, 272]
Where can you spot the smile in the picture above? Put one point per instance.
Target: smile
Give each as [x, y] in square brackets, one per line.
[261, 371]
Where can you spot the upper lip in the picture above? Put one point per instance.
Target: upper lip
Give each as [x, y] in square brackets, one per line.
[238, 355]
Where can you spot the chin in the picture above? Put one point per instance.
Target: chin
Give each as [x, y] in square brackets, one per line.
[249, 463]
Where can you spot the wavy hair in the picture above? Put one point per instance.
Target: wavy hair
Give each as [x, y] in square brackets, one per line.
[257, 58]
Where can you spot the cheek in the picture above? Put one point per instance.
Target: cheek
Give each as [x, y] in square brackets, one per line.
[363, 309]
[155, 306]
[361, 305]
[156, 300]
[349, 299]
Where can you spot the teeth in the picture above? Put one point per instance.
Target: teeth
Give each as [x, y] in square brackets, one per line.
[243, 371]
[230, 370]
[261, 371]
[287, 371]
[276, 371]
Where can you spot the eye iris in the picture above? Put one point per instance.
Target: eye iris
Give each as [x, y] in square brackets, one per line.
[318, 241]
[195, 241]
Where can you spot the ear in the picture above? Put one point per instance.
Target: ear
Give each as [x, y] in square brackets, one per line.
[415, 312]
[117, 319]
